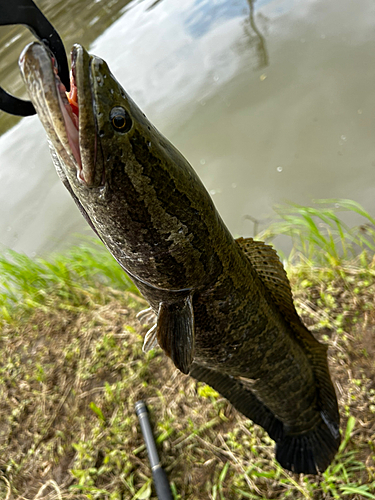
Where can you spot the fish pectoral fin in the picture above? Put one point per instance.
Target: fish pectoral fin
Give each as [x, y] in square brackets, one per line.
[175, 332]
[151, 341]
[147, 316]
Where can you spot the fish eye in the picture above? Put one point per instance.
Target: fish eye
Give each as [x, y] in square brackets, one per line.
[120, 119]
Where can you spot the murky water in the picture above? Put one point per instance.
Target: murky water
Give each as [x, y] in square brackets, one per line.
[269, 102]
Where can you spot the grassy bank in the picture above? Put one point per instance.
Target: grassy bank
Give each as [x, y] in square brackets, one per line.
[72, 368]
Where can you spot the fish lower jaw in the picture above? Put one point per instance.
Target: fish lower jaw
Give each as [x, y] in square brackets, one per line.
[69, 139]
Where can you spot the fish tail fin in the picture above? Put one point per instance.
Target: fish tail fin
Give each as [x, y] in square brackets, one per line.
[175, 332]
[309, 452]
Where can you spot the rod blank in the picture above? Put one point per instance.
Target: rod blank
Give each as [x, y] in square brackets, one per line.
[161, 483]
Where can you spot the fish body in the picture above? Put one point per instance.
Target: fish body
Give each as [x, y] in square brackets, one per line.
[223, 308]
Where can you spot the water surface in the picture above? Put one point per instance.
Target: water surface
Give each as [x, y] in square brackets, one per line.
[270, 101]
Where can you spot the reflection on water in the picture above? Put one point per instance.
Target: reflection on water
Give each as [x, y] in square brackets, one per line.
[256, 37]
[269, 100]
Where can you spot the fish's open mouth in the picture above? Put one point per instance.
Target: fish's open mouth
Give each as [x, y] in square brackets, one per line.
[68, 118]
[69, 107]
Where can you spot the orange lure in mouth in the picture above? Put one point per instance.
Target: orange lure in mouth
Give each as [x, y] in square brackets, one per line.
[69, 107]
[73, 95]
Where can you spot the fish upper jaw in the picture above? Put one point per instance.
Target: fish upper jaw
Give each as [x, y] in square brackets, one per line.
[92, 162]
[69, 120]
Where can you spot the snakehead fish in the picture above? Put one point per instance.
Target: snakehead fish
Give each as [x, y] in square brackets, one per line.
[223, 308]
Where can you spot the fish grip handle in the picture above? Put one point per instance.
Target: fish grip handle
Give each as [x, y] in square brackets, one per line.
[26, 13]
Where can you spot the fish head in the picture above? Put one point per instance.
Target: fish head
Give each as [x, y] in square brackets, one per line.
[89, 129]
[137, 192]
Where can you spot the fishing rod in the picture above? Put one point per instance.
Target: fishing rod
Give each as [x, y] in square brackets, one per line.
[161, 483]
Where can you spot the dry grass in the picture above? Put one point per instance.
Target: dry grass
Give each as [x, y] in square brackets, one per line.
[70, 377]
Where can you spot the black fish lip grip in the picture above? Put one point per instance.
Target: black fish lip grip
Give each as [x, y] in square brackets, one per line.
[25, 12]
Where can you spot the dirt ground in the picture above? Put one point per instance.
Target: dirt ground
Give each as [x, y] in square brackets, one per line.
[70, 377]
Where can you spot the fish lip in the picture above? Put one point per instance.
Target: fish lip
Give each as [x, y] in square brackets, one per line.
[78, 147]
[92, 171]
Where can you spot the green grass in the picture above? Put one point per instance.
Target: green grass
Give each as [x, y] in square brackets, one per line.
[72, 369]
[320, 236]
[74, 278]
